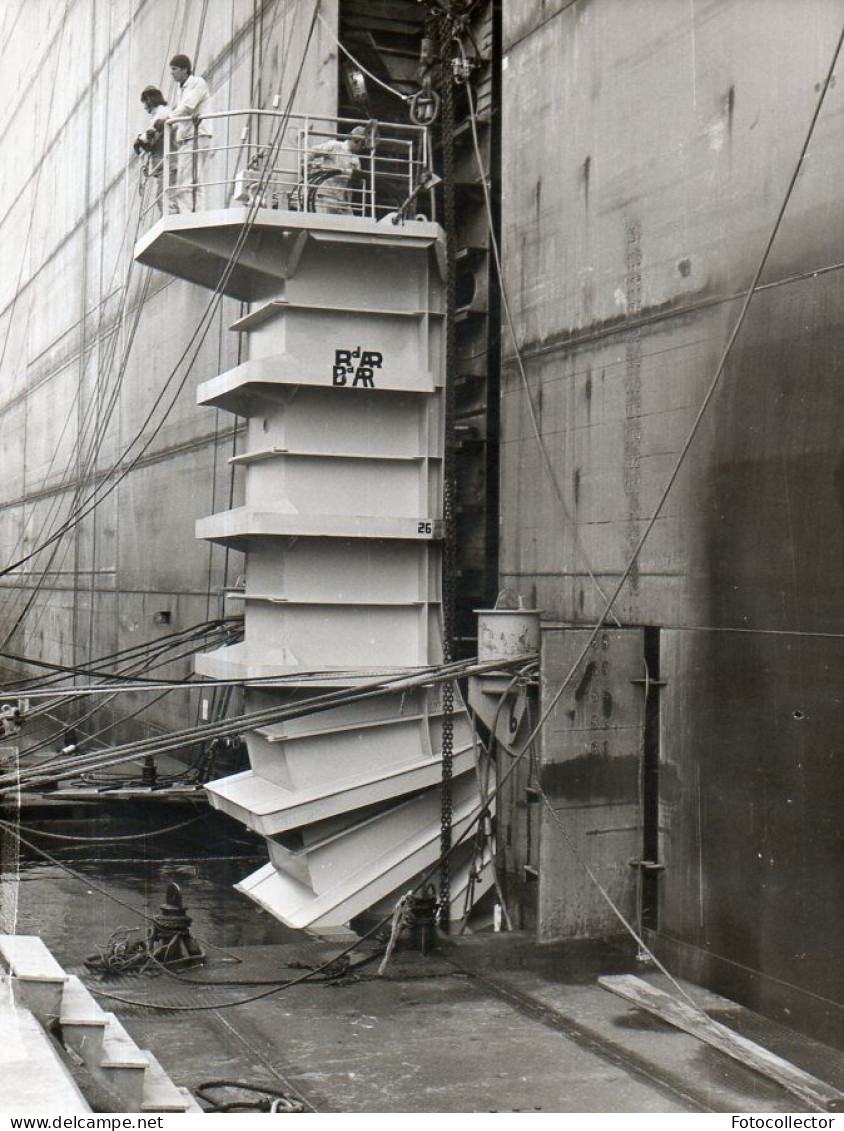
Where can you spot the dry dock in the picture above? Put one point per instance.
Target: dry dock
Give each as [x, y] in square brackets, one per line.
[484, 1026]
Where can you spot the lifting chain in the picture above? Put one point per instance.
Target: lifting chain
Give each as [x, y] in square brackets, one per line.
[449, 485]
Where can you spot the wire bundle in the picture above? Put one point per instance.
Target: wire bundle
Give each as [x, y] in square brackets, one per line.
[175, 647]
[64, 768]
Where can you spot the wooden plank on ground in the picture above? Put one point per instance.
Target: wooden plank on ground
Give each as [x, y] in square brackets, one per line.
[816, 1093]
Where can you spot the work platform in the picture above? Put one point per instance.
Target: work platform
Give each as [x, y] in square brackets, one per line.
[198, 246]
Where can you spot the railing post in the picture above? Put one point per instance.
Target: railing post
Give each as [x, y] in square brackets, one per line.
[166, 173]
[410, 169]
[307, 141]
[372, 211]
[194, 167]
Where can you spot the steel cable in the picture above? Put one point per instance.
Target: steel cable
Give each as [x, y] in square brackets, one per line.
[106, 417]
[178, 739]
[201, 643]
[61, 672]
[449, 548]
[110, 839]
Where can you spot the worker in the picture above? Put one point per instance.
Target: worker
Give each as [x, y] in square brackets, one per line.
[150, 141]
[191, 140]
[334, 169]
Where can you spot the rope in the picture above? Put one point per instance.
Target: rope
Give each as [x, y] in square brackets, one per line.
[90, 884]
[72, 872]
[123, 655]
[132, 682]
[110, 839]
[58, 736]
[97, 420]
[310, 974]
[395, 927]
[95, 443]
[684, 451]
[420, 884]
[121, 953]
[272, 1099]
[483, 789]
[623, 579]
[201, 331]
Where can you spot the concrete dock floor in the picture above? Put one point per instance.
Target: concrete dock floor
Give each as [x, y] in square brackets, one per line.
[490, 1024]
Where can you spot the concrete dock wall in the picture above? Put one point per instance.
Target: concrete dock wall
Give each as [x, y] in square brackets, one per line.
[71, 78]
[641, 181]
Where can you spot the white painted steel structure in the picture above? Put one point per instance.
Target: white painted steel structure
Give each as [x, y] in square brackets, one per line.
[342, 393]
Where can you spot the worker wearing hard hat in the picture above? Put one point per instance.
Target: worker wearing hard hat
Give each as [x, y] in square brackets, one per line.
[334, 169]
[191, 139]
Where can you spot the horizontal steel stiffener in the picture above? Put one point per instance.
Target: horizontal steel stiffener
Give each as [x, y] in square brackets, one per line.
[341, 527]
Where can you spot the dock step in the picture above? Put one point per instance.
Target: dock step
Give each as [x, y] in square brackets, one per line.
[27, 958]
[32, 1074]
[37, 980]
[83, 1023]
[161, 1094]
[132, 1077]
[123, 1065]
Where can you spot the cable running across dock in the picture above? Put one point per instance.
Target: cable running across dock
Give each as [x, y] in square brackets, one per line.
[74, 765]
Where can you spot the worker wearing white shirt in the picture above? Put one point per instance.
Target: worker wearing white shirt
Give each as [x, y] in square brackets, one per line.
[191, 139]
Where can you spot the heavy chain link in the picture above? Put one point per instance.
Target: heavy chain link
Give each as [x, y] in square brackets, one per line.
[449, 486]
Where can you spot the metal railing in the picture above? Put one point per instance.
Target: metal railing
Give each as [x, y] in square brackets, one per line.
[318, 165]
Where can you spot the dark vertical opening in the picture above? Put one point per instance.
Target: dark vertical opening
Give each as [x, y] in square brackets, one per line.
[650, 782]
[493, 413]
